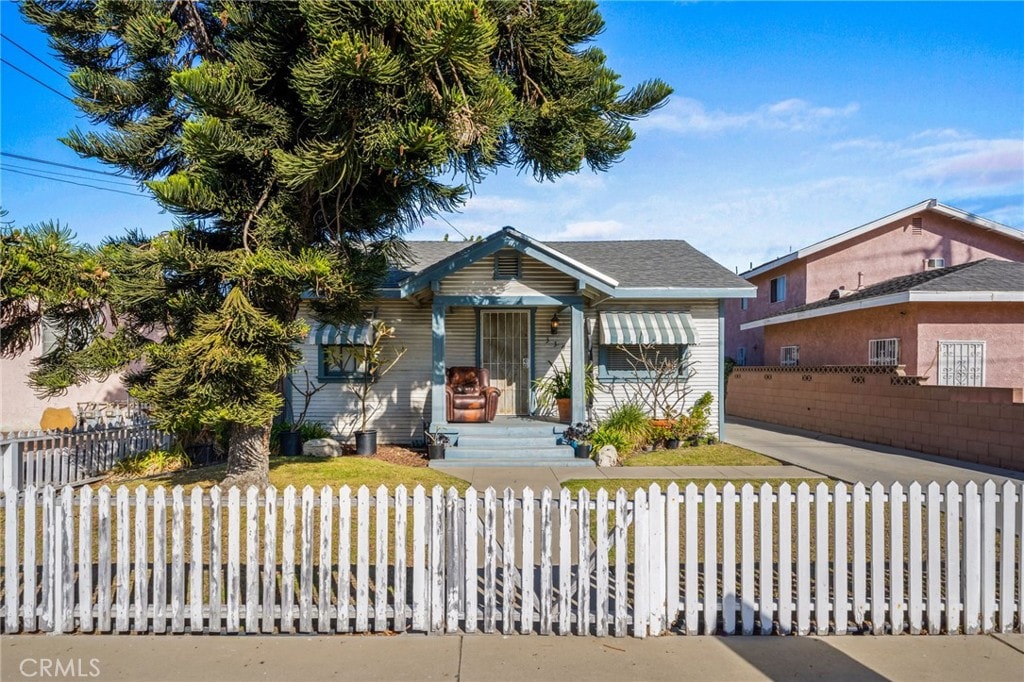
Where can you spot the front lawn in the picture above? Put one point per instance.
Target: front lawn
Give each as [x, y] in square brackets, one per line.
[314, 471]
[719, 454]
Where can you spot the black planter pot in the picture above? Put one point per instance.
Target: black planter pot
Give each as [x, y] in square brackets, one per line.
[583, 451]
[672, 443]
[435, 451]
[291, 444]
[200, 454]
[366, 442]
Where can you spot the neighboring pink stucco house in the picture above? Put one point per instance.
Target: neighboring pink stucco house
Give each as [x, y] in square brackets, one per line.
[919, 329]
[21, 408]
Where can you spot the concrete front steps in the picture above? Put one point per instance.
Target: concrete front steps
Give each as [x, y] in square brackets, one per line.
[520, 443]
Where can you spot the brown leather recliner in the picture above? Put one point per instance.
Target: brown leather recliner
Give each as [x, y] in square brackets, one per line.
[469, 397]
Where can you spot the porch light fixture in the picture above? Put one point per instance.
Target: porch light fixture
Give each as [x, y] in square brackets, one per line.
[555, 324]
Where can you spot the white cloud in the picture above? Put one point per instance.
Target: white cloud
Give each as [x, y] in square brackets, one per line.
[993, 164]
[685, 115]
[591, 230]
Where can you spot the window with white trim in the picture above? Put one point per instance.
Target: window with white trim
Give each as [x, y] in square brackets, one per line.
[934, 263]
[789, 356]
[884, 352]
[777, 289]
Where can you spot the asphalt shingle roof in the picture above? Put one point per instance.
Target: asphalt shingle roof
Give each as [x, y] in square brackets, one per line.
[981, 275]
[633, 263]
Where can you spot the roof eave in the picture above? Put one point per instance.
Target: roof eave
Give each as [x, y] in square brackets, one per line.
[891, 299]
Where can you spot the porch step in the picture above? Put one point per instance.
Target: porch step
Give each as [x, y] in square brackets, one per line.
[449, 462]
[549, 452]
[491, 442]
[508, 430]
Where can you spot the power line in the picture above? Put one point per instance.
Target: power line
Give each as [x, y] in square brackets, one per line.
[33, 55]
[62, 165]
[69, 175]
[30, 76]
[71, 182]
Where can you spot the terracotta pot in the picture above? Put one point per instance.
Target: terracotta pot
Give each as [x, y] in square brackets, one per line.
[564, 410]
[661, 423]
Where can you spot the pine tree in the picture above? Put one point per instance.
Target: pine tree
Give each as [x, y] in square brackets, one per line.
[297, 142]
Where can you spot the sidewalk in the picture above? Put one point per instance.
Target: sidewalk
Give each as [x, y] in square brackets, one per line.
[469, 658]
[852, 460]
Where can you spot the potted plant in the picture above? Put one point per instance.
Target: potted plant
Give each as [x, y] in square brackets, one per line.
[677, 432]
[555, 390]
[377, 358]
[579, 437]
[436, 444]
[290, 434]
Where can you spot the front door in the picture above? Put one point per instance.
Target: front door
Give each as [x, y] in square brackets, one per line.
[505, 352]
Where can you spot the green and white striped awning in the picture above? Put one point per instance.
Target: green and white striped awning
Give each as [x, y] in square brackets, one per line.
[628, 328]
[349, 334]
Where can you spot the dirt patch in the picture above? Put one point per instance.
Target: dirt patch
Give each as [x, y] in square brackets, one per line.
[397, 454]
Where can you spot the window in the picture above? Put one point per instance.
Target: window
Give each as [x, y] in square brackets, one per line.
[744, 303]
[342, 362]
[884, 352]
[933, 263]
[741, 356]
[508, 264]
[789, 356]
[631, 360]
[777, 292]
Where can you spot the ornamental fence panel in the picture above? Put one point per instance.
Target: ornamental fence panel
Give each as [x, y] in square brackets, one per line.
[755, 560]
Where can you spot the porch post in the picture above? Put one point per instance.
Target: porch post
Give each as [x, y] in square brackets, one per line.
[579, 403]
[437, 396]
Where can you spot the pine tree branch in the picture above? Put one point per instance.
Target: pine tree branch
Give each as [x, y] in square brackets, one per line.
[192, 22]
[248, 221]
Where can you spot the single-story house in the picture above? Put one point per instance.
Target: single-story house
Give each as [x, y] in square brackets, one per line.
[515, 306]
[958, 326]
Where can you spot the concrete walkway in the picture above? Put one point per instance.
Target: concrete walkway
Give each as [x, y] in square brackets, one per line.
[852, 461]
[469, 658]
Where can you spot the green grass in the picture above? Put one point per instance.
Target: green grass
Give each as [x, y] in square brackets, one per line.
[720, 454]
[316, 472]
[631, 484]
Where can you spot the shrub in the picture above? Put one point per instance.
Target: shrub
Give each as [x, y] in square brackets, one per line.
[307, 431]
[313, 430]
[631, 422]
[605, 436]
[151, 463]
[699, 420]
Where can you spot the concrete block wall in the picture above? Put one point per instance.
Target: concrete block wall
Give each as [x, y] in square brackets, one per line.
[879, 405]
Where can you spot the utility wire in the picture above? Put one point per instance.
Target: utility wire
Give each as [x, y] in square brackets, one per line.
[62, 165]
[30, 53]
[30, 76]
[72, 182]
[68, 175]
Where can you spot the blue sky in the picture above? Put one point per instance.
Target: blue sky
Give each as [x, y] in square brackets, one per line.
[790, 122]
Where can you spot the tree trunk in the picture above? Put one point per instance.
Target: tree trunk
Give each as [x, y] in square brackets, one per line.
[248, 456]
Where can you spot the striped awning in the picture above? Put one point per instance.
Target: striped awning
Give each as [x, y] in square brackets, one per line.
[349, 334]
[626, 328]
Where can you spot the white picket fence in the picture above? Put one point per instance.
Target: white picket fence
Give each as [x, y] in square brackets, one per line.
[929, 559]
[38, 458]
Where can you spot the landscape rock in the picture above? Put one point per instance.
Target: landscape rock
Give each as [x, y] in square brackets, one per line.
[607, 456]
[322, 447]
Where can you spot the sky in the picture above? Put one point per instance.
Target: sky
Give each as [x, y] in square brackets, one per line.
[790, 123]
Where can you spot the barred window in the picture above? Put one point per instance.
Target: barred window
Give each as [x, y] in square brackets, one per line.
[884, 352]
[789, 356]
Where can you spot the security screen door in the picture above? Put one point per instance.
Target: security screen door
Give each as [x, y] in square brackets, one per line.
[505, 352]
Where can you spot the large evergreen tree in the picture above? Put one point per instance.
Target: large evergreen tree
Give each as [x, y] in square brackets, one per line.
[298, 141]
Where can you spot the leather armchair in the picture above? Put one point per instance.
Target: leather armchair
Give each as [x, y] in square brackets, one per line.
[469, 397]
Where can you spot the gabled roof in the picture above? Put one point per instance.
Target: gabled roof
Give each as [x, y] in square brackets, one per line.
[986, 280]
[624, 269]
[926, 205]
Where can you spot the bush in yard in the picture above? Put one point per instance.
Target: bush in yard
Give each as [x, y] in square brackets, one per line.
[630, 421]
[606, 436]
[151, 463]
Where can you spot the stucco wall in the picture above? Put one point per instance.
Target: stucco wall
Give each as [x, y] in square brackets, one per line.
[889, 251]
[983, 425]
[842, 339]
[20, 408]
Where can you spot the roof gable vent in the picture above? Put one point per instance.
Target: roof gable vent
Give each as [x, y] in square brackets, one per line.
[508, 264]
[917, 226]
